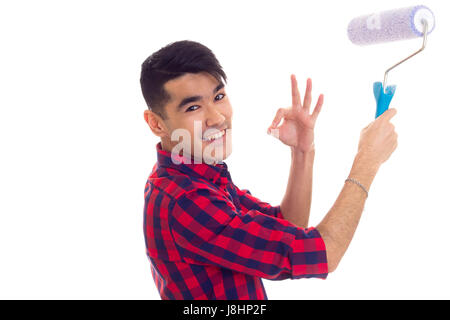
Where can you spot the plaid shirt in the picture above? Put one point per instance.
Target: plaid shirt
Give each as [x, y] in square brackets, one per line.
[207, 239]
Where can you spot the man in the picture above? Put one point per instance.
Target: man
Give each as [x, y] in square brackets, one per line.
[205, 237]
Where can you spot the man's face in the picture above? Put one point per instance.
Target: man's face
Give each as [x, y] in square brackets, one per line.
[200, 112]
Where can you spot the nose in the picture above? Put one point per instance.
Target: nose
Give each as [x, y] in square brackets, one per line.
[214, 117]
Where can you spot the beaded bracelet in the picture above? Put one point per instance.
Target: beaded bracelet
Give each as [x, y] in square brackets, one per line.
[359, 184]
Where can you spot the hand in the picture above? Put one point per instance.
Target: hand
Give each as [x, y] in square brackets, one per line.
[297, 130]
[378, 140]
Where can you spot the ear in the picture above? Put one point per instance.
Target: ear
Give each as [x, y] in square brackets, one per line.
[155, 123]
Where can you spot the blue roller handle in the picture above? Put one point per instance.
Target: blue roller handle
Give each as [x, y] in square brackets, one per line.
[382, 98]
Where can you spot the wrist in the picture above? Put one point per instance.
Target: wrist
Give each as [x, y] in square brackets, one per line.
[300, 153]
[367, 162]
[364, 170]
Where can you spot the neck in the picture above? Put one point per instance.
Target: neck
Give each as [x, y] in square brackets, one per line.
[167, 147]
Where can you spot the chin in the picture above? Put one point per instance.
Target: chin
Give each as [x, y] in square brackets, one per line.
[217, 152]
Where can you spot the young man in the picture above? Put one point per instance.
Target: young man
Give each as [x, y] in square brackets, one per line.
[205, 237]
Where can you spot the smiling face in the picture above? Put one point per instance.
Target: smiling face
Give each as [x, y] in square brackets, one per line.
[199, 117]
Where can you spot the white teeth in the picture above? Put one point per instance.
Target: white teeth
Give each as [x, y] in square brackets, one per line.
[215, 136]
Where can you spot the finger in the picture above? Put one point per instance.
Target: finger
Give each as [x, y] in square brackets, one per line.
[307, 100]
[388, 114]
[318, 107]
[296, 101]
[278, 117]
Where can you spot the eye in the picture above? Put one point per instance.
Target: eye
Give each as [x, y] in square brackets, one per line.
[220, 94]
[219, 97]
[191, 108]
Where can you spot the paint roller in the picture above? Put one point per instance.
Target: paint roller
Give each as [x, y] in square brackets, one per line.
[386, 26]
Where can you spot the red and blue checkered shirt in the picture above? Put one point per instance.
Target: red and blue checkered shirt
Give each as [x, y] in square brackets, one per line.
[207, 239]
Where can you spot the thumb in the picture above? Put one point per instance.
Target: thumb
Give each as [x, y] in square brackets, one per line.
[388, 114]
[274, 132]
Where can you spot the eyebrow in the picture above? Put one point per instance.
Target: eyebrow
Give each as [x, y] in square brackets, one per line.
[188, 100]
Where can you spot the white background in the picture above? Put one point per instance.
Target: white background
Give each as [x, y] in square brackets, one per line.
[76, 152]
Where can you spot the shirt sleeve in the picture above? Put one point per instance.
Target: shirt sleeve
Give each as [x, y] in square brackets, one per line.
[250, 202]
[208, 229]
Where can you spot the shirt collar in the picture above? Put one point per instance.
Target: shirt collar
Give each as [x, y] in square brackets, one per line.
[215, 173]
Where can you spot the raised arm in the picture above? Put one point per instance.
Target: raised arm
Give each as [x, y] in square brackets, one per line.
[297, 131]
[377, 142]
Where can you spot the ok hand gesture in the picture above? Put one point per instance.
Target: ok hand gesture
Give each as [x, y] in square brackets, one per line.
[297, 130]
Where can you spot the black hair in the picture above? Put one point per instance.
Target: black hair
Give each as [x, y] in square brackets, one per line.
[173, 61]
